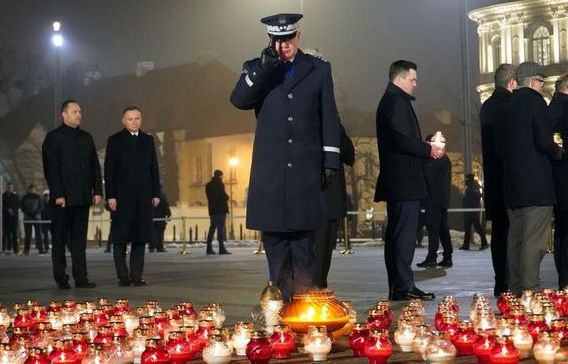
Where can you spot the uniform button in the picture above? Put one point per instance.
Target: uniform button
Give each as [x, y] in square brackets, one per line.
[289, 165]
[254, 73]
[290, 96]
[290, 118]
[289, 141]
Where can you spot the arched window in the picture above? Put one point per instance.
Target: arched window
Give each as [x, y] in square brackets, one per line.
[541, 45]
[496, 51]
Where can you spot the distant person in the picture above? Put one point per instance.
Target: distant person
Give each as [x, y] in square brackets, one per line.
[335, 195]
[10, 207]
[218, 207]
[132, 182]
[439, 178]
[162, 212]
[494, 113]
[45, 216]
[400, 144]
[31, 204]
[472, 199]
[558, 116]
[73, 173]
[528, 148]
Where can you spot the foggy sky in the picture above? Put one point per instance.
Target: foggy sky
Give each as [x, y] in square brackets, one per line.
[359, 37]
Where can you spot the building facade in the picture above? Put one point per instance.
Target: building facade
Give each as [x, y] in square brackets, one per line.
[519, 31]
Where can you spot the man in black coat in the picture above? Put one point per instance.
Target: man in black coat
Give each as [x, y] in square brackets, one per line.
[472, 200]
[218, 209]
[31, 205]
[73, 173]
[558, 116]
[527, 146]
[335, 196]
[296, 144]
[401, 182]
[132, 183]
[494, 112]
[10, 206]
[45, 216]
[163, 213]
[439, 178]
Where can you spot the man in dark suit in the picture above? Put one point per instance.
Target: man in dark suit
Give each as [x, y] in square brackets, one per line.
[527, 148]
[335, 196]
[439, 178]
[558, 117]
[31, 207]
[472, 200]
[162, 212]
[401, 182]
[73, 173]
[132, 183]
[218, 209]
[494, 112]
[296, 147]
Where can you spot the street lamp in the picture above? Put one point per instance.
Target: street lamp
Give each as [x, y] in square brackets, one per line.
[233, 162]
[57, 41]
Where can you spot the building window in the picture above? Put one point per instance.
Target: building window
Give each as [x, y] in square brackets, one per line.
[541, 45]
[563, 51]
[496, 51]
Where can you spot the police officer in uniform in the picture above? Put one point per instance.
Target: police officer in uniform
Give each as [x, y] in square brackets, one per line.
[296, 149]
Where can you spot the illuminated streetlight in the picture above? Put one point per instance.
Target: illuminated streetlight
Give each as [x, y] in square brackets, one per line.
[233, 162]
[57, 41]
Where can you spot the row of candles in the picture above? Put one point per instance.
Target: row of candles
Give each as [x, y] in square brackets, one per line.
[527, 324]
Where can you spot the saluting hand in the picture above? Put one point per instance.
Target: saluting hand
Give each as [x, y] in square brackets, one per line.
[155, 201]
[112, 204]
[97, 199]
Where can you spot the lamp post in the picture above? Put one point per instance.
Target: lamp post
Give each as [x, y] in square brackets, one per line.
[57, 41]
[233, 162]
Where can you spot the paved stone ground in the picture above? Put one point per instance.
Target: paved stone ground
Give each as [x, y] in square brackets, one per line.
[236, 281]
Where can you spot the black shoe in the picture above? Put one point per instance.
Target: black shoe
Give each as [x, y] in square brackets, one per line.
[446, 263]
[483, 246]
[64, 285]
[428, 263]
[85, 284]
[162, 251]
[463, 247]
[414, 293]
[140, 283]
[225, 252]
[107, 251]
[124, 283]
[211, 252]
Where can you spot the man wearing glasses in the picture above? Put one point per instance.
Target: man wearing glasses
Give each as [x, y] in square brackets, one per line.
[527, 146]
[296, 149]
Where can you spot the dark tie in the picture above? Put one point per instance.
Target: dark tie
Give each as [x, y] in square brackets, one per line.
[289, 66]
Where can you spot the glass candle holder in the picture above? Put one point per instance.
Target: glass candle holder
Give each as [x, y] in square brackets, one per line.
[217, 350]
[504, 351]
[404, 335]
[63, 353]
[545, 349]
[536, 325]
[259, 349]
[179, 348]
[317, 343]
[241, 337]
[283, 342]
[522, 340]
[121, 352]
[440, 349]
[464, 338]
[97, 355]
[378, 348]
[155, 353]
[37, 356]
[357, 339]
[483, 345]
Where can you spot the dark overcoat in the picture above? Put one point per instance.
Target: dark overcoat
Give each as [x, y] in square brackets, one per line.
[558, 116]
[297, 136]
[132, 178]
[71, 166]
[527, 148]
[217, 198]
[401, 150]
[493, 112]
[439, 178]
[335, 193]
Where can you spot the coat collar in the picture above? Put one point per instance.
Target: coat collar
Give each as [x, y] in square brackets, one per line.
[302, 66]
[392, 88]
[502, 92]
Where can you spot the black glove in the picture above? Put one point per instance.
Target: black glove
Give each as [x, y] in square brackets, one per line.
[328, 175]
[269, 59]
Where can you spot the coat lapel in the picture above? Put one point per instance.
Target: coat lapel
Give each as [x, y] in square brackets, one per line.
[302, 67]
